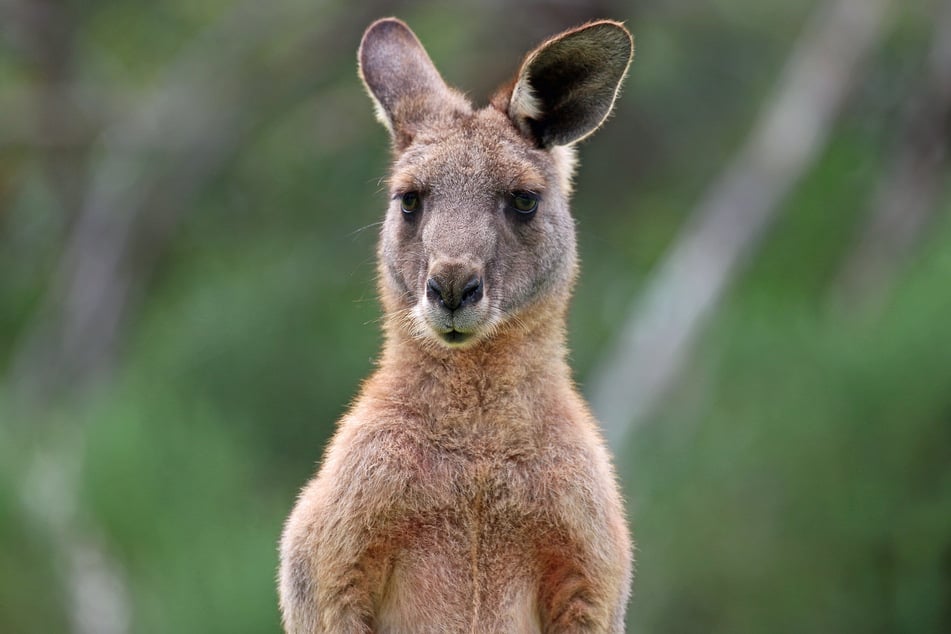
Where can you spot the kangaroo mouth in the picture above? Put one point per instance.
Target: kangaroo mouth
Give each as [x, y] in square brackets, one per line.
[457, 328]
[455, 338]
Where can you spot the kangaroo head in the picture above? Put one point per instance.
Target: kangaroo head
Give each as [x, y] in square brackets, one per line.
[478, 233]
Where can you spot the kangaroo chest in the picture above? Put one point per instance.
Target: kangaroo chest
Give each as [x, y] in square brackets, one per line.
[470, 538]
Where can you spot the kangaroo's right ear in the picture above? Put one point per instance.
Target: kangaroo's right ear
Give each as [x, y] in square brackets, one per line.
[403, 82]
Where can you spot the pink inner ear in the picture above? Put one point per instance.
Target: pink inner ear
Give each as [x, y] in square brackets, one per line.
[393, 64]
[406, 88]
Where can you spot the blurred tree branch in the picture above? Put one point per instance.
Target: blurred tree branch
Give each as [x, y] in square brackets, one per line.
[147, 168]
[44, 32]
[141, 178]
[661, 327]
[908, 195]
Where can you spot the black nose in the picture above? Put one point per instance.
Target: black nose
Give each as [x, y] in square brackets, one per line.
[453, 293]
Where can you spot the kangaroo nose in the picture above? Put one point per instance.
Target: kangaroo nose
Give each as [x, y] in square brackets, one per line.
[453, 292]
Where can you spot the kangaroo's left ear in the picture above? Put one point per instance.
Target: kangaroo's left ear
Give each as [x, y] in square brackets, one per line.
[567, 86]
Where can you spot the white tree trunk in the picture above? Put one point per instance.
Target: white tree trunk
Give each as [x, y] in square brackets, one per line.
[664, 322]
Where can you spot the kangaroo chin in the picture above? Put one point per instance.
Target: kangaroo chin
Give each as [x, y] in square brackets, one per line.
[468, 488]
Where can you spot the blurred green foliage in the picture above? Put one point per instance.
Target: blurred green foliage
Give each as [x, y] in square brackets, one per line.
[799, 480]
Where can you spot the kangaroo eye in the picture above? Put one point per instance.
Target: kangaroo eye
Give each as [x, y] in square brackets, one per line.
[410, 202]
[524, 202]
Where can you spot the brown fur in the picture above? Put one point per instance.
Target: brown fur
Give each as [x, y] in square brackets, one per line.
[468, 489]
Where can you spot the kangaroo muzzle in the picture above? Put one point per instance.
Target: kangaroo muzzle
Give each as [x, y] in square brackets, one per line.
[453, 304]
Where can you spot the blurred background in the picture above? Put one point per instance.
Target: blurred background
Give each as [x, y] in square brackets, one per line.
[188, 198]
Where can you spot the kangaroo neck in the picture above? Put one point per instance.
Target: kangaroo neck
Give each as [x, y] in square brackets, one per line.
[517, 358]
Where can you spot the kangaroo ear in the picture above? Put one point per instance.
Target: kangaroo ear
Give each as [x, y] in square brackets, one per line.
[403, 82]
[567, 86]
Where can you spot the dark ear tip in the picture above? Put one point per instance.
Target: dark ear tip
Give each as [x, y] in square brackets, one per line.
[608, 26]
[613, 32]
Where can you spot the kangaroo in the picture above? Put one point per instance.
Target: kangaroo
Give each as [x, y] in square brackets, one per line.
[468, 488]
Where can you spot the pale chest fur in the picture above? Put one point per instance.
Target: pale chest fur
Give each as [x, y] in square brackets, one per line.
[481, 495]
